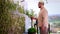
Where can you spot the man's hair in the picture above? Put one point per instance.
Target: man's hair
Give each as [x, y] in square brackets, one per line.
[41, 3]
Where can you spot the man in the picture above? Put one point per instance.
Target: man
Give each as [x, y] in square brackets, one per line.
[43, 19]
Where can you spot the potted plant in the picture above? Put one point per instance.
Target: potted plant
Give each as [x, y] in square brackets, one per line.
[31, 31]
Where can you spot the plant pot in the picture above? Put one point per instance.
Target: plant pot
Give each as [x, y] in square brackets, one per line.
[31, 31]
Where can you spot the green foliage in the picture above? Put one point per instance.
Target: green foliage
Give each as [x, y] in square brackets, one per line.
[18, 24]
[6, 21]
[10, 24]
[30, 14]
[27, 13]
[21, 10]
[32, 30]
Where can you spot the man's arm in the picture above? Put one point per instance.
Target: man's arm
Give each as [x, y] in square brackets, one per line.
[39, 20]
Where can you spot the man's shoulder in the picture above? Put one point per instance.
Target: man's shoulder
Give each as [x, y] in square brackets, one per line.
[45, 10]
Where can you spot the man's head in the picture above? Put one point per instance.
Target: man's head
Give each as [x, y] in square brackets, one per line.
[40, 4]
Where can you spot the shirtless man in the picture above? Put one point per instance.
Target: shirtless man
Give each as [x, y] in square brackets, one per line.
[43, 19]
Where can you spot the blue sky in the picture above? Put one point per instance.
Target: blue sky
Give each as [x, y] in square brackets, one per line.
[53, 6]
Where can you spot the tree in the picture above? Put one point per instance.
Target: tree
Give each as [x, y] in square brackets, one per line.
[10, 23]
[21, 9]
[5, 19]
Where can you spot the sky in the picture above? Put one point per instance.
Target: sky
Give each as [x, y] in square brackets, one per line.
[53, 6]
